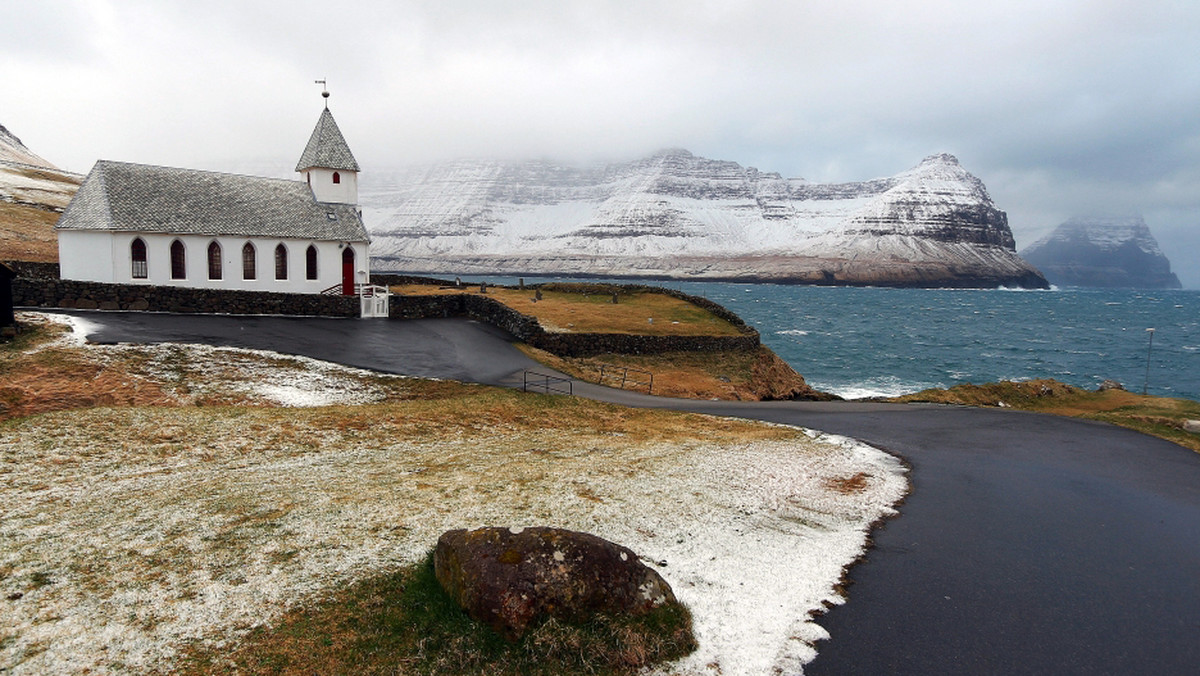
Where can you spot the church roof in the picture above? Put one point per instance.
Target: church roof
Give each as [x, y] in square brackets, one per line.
[327, 147]
[125, 197]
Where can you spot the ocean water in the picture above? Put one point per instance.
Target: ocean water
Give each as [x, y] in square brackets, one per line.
[862, 342]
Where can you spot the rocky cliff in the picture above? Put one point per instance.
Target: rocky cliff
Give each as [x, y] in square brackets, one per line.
[676, 215]
[1102, 252]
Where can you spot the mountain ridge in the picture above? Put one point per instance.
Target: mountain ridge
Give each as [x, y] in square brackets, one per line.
[673, 214]
[33, 193]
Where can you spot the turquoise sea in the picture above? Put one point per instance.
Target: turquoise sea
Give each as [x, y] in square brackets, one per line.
[861, 342]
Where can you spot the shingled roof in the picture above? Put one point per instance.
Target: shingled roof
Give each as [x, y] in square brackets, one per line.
[327, 147]
[125, 197]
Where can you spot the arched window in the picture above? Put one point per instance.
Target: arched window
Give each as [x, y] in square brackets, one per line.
[137, 253]
[249, 262]
[310, 262]
[214, 260]
[281, 262]
[178, 261]
[337, 178]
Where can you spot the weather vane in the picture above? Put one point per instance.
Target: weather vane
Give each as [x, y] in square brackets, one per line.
[324, 90]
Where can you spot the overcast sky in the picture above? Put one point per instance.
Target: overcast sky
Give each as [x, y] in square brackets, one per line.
[1062, 107]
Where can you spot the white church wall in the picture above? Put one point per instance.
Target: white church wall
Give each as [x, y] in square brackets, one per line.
[86, 256]
[107, 257]
[325, 190]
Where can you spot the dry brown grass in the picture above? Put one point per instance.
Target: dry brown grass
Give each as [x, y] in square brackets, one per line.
[732, 375]
[596, 313]
[41, 372]
[848, 485]
[27, 233]
[133, 530]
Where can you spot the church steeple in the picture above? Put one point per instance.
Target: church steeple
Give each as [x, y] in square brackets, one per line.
[327, 163]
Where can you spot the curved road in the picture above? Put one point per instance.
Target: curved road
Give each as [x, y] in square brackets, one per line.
[1029, 544]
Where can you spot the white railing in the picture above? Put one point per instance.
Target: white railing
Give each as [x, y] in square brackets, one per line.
[373, 300]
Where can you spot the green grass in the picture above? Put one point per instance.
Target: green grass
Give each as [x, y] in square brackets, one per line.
[403, 622]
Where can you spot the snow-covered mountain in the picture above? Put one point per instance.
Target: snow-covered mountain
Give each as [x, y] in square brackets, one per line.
[33, 193]
[676, 215]
[1103, 252]
[12, 150]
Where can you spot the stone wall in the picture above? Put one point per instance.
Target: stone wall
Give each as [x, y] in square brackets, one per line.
[71, 294]
[526, 328]
[38, 285]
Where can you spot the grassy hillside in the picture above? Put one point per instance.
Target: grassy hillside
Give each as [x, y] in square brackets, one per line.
[31, 200]
[565, 311]
[563, 307]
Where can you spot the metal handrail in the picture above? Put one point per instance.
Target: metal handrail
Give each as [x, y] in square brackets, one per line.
[624, 372]
[549, 384]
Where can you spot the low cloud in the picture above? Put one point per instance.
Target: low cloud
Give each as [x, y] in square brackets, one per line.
[1060, 108]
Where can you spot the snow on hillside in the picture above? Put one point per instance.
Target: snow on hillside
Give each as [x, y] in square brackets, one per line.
[1104, 232]
[12, 150]
[679, 215]
[26, 178]
[1103, 251]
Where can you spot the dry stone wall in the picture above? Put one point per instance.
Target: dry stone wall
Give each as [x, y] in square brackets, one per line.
[527, 329]
[75, 295]
[38, 285]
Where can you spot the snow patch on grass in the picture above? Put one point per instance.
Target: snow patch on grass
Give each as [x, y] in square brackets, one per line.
[127, 533]
[247, 376]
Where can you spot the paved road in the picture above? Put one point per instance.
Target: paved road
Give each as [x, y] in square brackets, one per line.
[1030, 544]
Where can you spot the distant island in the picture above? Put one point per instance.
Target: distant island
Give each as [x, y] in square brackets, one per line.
[1104, 252]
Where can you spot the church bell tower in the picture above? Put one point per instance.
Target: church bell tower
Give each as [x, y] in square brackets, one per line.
[327, 163]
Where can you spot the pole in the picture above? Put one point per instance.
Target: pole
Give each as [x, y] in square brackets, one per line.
[1146, 382]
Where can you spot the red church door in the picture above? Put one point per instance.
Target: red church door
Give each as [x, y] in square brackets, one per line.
[348, 272]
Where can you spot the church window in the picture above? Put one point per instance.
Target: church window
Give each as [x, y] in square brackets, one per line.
[281, 262]
[249, 262]
[178, 261]
[137, 252]
[214, 260]
[310, 262]
[337, 178]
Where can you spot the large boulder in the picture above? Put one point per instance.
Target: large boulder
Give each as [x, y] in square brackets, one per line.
[512, 578]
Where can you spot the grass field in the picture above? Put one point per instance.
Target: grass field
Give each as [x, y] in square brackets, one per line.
[731, 375]
[652, 314]
[170, 507]
[27, 234]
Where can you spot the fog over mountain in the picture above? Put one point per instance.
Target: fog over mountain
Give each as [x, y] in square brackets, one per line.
[1062, 108]
[1103, 251]
[677, 215]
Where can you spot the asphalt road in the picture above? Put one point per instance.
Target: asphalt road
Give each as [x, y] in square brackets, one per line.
[1030, 544]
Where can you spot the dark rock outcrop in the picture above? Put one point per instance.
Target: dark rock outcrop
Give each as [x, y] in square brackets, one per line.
[510, 579]
[1102, 252]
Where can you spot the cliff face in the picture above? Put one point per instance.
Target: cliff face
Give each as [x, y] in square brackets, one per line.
[676, 215]
[1103, 252]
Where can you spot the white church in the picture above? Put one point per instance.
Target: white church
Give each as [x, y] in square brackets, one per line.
[143, 224]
